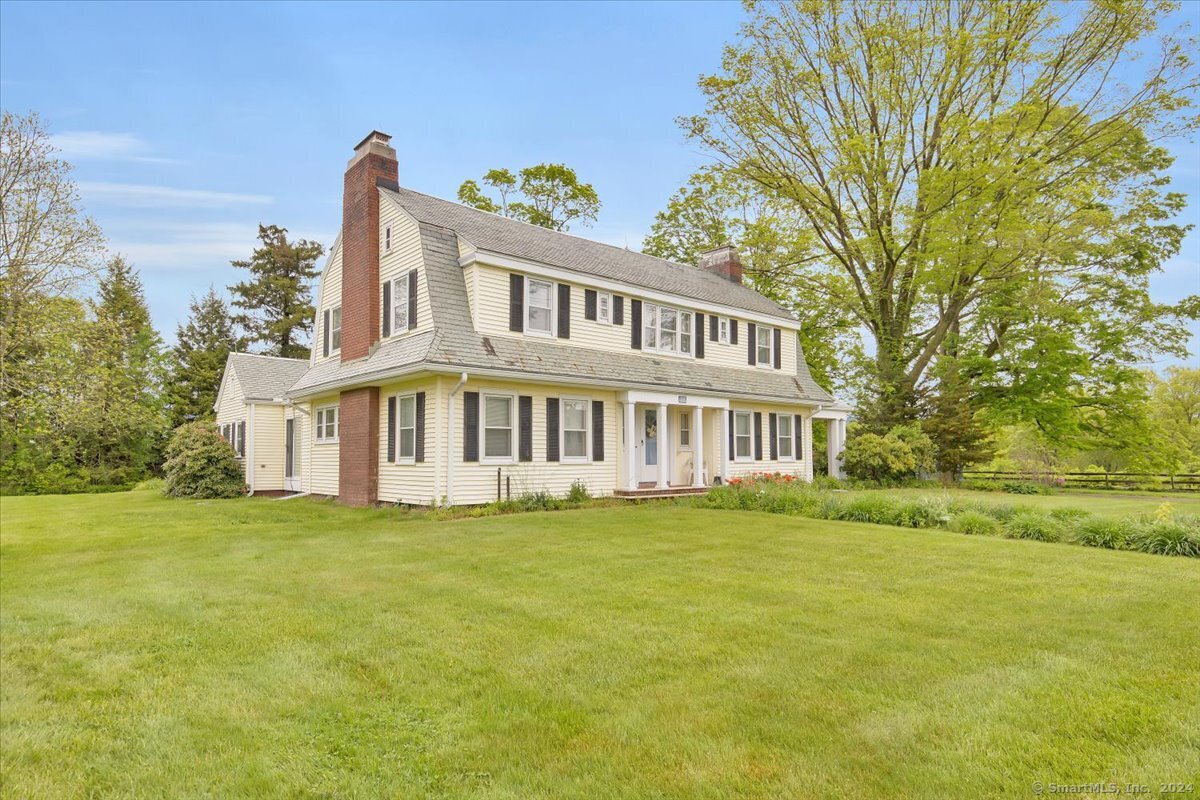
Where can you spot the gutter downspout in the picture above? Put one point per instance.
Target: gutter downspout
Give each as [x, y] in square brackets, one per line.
[450, 442]
[248, 458]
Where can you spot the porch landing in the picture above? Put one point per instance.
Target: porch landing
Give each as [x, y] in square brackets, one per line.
[646, 490]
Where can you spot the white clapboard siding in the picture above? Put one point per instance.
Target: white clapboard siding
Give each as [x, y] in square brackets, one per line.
[268, 451]
[404, 255]
[409, 482]
[331, 296]
[323, 469]
[800, 466]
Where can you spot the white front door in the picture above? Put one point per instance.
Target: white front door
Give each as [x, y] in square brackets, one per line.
[648, 444]
[291, 475]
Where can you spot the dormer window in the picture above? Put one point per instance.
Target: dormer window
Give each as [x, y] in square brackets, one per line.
[539, 307]
[666, 329]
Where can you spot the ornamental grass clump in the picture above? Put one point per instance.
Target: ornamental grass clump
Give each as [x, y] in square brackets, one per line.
[876, 509]
[1167, 538]
[1033, 525]
[974, 523]
[1110, 534]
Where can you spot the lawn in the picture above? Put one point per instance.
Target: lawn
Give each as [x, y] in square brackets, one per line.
[1112, 504]
[255, 648]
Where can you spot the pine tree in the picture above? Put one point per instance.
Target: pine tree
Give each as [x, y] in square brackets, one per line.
[276, 303]
[203, 345]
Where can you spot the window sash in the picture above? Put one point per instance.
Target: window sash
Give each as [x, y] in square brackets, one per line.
[764, 345]
[723, 330]
[387, 238]
[497, 426]
[406, 427]
[685, 429]
[539, 312]
[666, 329]
[335, 329]
[603, 307]
[743, 435]
[327, 424]
[787, 437]
[574, 428]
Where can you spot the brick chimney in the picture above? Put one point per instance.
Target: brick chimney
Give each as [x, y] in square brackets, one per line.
[373, 164]
[721, 261]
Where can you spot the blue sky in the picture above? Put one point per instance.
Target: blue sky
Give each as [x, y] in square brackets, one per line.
[191, 123]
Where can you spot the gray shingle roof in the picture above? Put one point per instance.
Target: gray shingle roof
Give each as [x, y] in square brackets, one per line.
[265, 377]
[454, 344]
[509, 237]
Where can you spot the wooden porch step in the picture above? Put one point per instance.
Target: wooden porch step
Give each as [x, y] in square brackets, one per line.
[670, 491]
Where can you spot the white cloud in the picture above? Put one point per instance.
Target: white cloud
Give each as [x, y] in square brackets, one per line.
[196, 245]
[106, 146]
[141, 196]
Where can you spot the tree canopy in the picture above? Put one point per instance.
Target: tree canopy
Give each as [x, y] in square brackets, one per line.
[549, 195]
[276, 303]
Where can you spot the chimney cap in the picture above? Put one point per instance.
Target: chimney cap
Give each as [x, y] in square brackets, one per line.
[718, 249]
[373, 136]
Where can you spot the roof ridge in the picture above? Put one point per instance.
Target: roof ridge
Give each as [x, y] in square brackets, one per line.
[264, 355]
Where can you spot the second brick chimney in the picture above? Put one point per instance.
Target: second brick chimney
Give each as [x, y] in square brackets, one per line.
[721, 261]
[373, 165]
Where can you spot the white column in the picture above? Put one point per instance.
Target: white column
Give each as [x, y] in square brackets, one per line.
[723, 442]
[831, 447]
[806, 443]
[631, 471]
[664, 448]
[698, 446]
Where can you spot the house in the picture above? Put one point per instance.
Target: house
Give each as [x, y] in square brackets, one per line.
[460, 356]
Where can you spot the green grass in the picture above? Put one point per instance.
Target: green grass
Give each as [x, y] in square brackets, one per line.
[1115, 504]
[250, 648]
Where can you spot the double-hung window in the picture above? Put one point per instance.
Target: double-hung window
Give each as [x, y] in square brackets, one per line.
[574, 429]
[723, 330]
[685, 429]
[406, 428]
[743, 437]
[763, 345]
[666, 329]
[498, 427]
[786, 424]
[327, 424]
[400, 305]
[539, 307]
[604, 307]
[335, 329]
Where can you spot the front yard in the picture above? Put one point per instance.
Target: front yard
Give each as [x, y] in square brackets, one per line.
[299, 649]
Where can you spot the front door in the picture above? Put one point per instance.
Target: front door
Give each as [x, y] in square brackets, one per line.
[648, 443]
[291, 478]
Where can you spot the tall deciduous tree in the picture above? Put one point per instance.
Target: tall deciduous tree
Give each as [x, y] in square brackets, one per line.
[276, 303]
[553, 196]
[982, 182]
[202, 346]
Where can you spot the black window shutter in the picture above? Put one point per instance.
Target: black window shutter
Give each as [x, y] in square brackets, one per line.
[325, 333]
[387, 309]
[618, 310]
[552, 429]
[391, 429]
[732, 451]
[241, 434]
[773, 430]
[778, 347]
[713, 328]
[516, 302]
[751, 343]
[419, 444]
[758, 436]
[412, 299]
[564, 311]
[589, 304]
[470, 426]
[525, 412]
[699, 335]
[597, 430]
[733, 331]
[635, 324]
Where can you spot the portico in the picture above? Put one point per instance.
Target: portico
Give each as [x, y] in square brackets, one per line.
[836, 417]
[671, 441]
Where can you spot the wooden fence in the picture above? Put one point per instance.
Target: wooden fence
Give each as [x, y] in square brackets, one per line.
[1161, 481]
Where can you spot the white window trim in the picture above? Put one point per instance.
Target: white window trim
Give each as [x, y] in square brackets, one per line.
[770, 363]
[685, 425]
[587, 430]
[387, 239]
[722, 330]
[779, 437]
[397, 283]
[513, 423]
[749, 435]
[602, 317]
[690, 353]
[403, 459]
[553, 307]
[319, 429]
[335, 345]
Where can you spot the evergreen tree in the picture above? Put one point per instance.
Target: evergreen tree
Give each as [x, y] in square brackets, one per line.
[203, 345]
[276, 303]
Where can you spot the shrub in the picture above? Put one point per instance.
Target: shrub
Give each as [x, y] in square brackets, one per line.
[1023, 487]
[975, 523]
[1111, 534]
[201, 464]
[725, 497]
[538, 501]
[1033, 525]
[869, 456]
[927, 512]
[151, 484]
[579, 493]
[1167, 538]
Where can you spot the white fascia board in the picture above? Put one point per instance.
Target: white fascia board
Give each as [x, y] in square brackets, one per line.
[592, 281]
